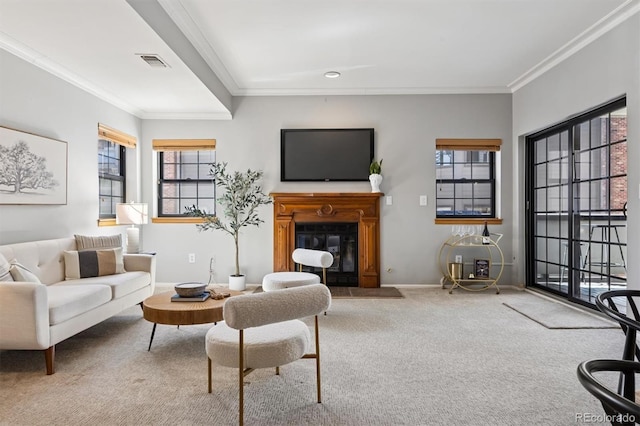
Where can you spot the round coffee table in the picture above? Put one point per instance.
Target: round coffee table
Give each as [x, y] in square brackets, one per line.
[159, 309]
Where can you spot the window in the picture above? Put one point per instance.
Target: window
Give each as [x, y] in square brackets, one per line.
[465, 178]
[183, 175]
[112, 146]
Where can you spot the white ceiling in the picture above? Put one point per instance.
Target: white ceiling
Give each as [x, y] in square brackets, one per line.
[283, 47]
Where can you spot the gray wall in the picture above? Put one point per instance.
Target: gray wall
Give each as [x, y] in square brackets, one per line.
[35, 101]
[406, 128]
[603, 70]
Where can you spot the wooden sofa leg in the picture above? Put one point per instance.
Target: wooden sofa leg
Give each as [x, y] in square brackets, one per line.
[49, 354]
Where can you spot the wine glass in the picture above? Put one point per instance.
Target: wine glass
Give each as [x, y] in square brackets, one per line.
[472, 233]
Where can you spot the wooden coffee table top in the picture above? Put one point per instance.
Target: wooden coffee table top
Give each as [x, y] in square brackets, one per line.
[160, 309]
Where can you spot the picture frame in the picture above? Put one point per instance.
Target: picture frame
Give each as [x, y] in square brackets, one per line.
[481, 268]
[33, 168]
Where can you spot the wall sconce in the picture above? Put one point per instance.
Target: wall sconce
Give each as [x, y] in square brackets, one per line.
[132, 214]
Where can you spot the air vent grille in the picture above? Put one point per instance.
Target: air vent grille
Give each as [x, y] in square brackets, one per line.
[153, 60]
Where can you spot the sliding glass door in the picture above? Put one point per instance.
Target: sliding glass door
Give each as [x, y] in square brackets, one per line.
[576, 204]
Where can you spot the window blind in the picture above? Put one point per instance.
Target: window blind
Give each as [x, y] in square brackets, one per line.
[469, 144]
[116, 136]
[184, 144]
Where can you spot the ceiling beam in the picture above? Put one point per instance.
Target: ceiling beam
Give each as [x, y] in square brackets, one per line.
[158, 19]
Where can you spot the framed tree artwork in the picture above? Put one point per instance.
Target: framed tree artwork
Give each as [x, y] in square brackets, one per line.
[33, 169]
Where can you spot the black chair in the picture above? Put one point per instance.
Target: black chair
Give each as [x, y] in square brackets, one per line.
[629, 321]
[621, 409]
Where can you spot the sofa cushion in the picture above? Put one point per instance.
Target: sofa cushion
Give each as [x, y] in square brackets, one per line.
[66, 302]
[5, 275]
[21, 273]
[88, 242]
[92, 263]
[121, 284]
[44, 258]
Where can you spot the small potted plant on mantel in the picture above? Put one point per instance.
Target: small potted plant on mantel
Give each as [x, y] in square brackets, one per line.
[375, 176]
[241, 196]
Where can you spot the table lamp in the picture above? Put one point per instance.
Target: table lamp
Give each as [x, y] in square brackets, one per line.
[132, 214]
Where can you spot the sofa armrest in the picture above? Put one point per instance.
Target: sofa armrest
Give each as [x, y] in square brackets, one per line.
[142, 262]
[24, 315]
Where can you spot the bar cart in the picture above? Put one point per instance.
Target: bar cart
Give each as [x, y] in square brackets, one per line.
[486, 270]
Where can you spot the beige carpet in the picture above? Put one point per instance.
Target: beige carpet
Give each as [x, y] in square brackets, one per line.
[430, 358]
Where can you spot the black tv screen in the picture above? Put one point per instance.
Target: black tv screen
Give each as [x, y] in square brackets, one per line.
[325, 154]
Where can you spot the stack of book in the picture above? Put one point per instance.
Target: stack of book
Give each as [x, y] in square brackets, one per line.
[197, 298]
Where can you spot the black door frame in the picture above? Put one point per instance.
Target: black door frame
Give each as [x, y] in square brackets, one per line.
[573, 272]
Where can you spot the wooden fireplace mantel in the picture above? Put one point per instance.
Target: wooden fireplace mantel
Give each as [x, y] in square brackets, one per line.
[361, 208]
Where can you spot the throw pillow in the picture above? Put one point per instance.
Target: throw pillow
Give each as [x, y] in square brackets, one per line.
[21, 273]
[5, 275]
[92, 263]
[85, 242]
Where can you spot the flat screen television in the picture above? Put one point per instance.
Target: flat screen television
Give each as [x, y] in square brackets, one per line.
[325, 154]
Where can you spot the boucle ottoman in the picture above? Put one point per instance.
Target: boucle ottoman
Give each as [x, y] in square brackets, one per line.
[315, 258]
[280, 280]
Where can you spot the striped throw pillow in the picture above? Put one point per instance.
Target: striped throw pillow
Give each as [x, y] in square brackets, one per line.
[21, 273]
[92, 263]
[86, 242]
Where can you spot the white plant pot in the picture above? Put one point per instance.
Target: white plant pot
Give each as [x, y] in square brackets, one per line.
[375, 180]
[237, 282]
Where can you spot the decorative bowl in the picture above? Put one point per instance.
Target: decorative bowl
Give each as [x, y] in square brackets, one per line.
[190, 289]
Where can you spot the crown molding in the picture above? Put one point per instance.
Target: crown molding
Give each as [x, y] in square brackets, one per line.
[186, 116]
[375, 91]
[607, 23]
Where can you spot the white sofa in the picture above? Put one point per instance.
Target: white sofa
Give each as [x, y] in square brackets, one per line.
[37, 316]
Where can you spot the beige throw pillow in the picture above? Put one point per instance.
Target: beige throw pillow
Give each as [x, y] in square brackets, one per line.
[86, 242]
[92, 263]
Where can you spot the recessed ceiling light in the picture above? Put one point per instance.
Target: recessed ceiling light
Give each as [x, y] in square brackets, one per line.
[332, 74]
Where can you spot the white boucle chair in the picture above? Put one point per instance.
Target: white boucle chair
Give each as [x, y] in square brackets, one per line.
[303, 257]
[263, 330]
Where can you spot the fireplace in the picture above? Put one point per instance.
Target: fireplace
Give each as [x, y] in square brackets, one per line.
[341, 240]
[357, 211]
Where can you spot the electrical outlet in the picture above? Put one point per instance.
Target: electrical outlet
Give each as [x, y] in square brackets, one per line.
[192, 258]
[389, 200]
[423, 200]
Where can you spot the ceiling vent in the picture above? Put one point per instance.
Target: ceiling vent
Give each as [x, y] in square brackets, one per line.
[153, 60]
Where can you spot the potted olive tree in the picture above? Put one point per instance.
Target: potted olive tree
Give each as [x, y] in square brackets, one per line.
[239, 197]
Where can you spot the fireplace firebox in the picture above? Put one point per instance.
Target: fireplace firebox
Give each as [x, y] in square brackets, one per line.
[341, 240]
